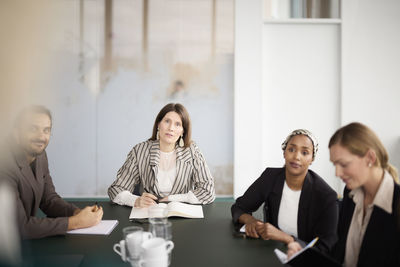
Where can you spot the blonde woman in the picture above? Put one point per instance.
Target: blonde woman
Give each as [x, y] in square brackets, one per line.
[368, 226]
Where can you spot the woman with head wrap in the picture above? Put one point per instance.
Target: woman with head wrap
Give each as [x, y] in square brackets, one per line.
[298, 204]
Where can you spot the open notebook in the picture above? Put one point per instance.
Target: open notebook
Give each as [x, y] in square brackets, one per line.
[177, 209]
[308, 256]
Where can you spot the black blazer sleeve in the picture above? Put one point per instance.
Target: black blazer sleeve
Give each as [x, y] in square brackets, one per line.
[253, 198]
[318, 213]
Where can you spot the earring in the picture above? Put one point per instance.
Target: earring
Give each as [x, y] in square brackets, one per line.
[158, 134]
[181, 142]
[369, 165]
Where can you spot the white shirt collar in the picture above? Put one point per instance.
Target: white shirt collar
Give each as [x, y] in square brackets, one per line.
[384, 196]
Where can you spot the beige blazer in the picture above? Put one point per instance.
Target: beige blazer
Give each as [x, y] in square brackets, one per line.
[141, 166]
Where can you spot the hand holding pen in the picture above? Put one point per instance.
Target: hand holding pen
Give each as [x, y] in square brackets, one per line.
[96, 207]
[86, 217]
[146, 200]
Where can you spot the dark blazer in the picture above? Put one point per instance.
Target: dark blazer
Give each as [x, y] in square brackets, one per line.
[381, 243]
[317, 214]
[34, 192]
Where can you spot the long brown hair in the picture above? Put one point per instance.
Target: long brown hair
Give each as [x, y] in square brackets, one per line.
[358, 138]
[186, 124]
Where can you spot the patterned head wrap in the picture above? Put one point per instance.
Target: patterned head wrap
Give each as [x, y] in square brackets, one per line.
[303, 132]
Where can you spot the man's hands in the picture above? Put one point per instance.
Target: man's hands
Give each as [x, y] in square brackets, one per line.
[87, 217]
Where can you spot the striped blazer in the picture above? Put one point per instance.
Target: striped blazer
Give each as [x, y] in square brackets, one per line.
[141, 166]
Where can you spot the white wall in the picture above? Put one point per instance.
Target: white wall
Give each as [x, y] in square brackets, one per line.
[371, 68]
[248, 94]
[92, 134]
[301, 88]
[95, 127]
[367, 88]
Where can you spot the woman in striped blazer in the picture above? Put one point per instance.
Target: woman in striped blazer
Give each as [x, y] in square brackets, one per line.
[168, 167]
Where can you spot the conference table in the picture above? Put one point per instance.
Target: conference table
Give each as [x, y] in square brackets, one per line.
[197, 242]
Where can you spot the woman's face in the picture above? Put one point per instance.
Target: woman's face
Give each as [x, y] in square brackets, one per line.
[170, 128]
[352, 169]
[298, 155]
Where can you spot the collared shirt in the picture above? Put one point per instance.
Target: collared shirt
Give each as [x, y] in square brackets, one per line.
[359, 222]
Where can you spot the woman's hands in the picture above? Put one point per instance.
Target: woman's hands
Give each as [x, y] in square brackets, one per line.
[268, 231]
[145, 200]
[293, 247]
[256, 229]
[250, 224]
[251, 228]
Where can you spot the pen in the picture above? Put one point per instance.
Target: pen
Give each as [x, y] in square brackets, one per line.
[141, 221]
[96, 206]
[238, 234]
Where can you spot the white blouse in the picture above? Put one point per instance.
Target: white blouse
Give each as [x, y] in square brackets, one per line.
[166, 172]
[288, 210]
[164, 181]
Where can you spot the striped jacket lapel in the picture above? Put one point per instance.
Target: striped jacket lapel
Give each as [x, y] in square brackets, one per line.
[154, 162]
[183, 169]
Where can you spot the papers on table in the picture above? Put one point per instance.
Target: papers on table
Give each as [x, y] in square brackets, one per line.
[105, 227]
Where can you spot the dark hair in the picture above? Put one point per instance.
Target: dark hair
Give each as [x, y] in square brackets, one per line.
[34, 109]
[358, 139]
[186, 124]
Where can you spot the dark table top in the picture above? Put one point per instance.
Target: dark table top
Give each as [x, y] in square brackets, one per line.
[198, 242]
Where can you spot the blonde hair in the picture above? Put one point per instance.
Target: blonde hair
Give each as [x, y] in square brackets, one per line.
[358, 139]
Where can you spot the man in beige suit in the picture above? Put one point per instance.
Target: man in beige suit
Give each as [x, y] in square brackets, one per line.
[25, 168]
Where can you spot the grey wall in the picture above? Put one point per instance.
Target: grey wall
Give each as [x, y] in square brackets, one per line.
[93, 133]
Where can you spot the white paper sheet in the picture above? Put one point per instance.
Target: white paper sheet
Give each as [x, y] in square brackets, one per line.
[105, 227]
